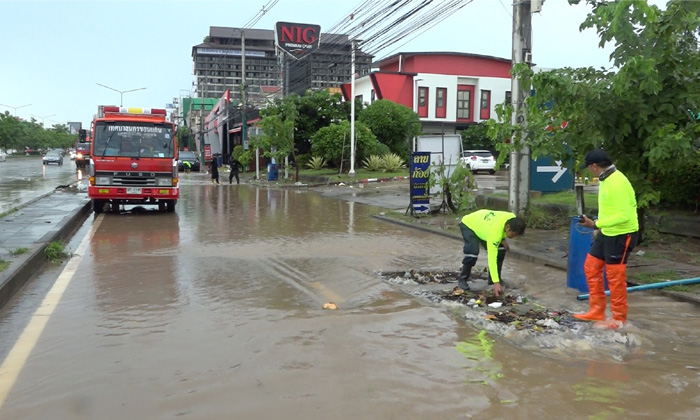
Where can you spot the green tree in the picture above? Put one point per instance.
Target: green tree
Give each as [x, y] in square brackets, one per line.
[333, 143]
[316, 109]
[11, 132]
[184, 137]
[638, 113]
[277, 140]
[393, 124]
[476, 136]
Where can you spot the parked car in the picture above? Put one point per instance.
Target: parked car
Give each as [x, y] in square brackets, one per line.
[479, 160]
[191, 157]
[3, 155]
[53, 156]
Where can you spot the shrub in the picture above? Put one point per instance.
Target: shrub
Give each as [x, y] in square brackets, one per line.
[55, 252]
[316, 162]
[19, 251]
[374, 163]
[392, 162]
[333, 142]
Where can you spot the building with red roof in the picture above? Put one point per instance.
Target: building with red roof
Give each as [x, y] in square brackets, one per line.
[449, 91]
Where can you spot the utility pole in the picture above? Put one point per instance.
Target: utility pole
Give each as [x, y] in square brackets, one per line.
[519, 188]
[244, 128]
[351, 172]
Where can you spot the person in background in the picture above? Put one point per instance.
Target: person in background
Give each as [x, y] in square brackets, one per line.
[615, 236]
[235, 167]
[214, 168]
[488, 228]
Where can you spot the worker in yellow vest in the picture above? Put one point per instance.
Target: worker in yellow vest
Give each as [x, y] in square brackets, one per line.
[615, 237]
[488, 228]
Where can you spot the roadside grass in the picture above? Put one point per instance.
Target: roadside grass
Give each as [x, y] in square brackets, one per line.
[648, 278]
[652, 255]
[567, 198]
[19, 251]
[360, 173]
[8, 212]
[4, 264]
[56, 252]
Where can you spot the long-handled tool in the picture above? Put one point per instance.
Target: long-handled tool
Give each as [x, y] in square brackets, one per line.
[650, 286]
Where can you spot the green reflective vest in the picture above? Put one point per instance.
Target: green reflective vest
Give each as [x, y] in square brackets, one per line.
[617, 206]
[489, 226]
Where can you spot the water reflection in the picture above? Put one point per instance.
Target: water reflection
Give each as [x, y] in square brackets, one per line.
[601, 390]
[145, 243]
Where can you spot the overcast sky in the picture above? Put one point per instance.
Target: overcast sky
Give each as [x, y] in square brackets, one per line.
[55, 52]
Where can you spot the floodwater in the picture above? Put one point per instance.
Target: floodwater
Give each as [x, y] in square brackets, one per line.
[25, 178]
[215, 312]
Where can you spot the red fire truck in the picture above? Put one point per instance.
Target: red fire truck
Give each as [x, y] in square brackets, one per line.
[133, 159]
[82, 149]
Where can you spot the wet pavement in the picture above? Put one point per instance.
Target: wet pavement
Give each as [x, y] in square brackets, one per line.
[215, 311]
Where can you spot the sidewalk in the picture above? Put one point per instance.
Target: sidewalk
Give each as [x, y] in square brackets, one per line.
[29, 228]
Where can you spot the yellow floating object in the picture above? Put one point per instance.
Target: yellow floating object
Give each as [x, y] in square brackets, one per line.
[330, 305]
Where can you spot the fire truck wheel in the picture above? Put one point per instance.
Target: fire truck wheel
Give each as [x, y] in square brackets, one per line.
[161, 206]
[170, 205]
[98, 206]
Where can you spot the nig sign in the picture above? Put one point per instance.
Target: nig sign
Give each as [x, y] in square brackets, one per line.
[297, 39]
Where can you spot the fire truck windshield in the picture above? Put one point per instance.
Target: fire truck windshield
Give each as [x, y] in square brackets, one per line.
[133, 139]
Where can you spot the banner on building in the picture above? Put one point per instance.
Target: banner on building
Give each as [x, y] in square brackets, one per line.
[297, 39]
[420, 175]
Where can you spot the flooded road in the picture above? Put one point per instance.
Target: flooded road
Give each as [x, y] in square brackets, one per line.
[25, 178]
[215, 311]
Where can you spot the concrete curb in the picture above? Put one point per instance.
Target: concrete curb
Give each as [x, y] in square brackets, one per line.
[25, 266]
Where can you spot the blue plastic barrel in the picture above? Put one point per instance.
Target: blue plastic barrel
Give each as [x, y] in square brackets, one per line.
[272, 172]
[580, 241]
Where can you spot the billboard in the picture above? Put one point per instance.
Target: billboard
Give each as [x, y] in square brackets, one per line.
[73, 127]
[297, 39]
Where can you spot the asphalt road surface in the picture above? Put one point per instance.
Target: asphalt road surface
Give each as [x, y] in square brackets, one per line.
[215, 311]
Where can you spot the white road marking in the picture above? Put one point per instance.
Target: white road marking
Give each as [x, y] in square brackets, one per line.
[18, 355]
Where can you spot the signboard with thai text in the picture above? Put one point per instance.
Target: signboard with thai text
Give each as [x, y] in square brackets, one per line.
[420, 175]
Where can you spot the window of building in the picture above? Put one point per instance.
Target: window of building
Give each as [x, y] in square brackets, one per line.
[508, 97]
[440, 102]
[371, 96]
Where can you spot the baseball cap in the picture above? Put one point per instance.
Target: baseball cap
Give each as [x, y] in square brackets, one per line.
[597, 156]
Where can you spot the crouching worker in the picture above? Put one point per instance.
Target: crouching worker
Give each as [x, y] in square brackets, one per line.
[489, 228]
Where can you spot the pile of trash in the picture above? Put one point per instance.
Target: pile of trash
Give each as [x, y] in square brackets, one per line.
[514, 310]
[516, 317]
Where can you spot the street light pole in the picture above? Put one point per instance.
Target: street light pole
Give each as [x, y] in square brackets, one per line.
[121, 92]
[351, 172]
[43, 118]
[15, 107]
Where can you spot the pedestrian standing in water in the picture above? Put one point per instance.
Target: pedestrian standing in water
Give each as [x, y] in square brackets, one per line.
[488, 228]
[615, 236]
[214, 168]
[235, 167]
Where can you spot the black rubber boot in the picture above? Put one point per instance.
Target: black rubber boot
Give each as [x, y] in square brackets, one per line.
[464, 277]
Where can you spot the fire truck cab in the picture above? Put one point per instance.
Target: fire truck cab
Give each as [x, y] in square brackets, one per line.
[134, 157]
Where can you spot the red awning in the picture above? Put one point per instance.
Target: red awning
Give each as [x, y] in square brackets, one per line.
[238, 128]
